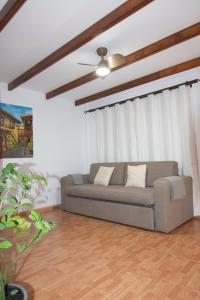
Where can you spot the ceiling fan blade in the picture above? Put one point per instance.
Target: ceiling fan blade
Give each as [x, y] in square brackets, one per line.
[116, 60]
[83, 64]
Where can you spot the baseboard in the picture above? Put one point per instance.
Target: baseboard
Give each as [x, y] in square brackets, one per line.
[48, 208]
[44, 209]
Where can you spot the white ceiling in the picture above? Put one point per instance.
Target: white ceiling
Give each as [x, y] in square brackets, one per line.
[40, 27]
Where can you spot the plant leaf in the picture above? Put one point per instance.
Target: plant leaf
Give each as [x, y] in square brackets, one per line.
[9, 211]
[2, 226]
[21, 223]
[2, 186]
[27, 204]
[9, 224]
[9, 169]
[14, 292]
[35, 216]
[5, 244]
[22, 248]
[12, 200]
[39, 178]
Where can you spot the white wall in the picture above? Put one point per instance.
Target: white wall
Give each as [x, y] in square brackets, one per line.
[58, 137]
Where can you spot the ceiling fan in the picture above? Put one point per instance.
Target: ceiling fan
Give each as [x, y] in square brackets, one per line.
[106, 64]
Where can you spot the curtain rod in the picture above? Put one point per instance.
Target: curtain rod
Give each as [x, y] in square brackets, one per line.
[190, 83]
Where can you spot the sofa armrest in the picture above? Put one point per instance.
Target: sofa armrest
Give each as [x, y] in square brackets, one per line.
[169, 213]
[66, 181]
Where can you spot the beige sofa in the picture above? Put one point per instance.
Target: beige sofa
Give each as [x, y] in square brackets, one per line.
[152, 207]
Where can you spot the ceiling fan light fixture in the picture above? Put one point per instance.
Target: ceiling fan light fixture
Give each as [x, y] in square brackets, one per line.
[102, 71]
[107, 64]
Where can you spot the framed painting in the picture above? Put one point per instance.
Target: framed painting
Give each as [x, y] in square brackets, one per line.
[16, 131]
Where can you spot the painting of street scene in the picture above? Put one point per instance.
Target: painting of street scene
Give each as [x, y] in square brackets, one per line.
[16, 131]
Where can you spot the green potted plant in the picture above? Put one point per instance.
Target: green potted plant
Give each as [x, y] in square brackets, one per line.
[19, 231]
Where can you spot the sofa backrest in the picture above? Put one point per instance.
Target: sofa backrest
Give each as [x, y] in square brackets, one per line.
[155, 170]
[117, 176]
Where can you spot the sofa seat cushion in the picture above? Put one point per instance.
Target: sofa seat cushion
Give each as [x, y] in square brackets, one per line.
[116, 193]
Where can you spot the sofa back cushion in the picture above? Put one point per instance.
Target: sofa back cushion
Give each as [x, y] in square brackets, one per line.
[103, 175]
[136, 176]
[155, 170]
[117, 175]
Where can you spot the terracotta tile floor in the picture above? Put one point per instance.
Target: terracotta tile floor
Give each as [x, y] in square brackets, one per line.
[85, 258]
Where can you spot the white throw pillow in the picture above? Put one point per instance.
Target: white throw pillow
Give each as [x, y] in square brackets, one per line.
[136, 176]
[103, 175]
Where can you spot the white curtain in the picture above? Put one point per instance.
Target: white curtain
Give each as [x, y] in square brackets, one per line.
[164, 126]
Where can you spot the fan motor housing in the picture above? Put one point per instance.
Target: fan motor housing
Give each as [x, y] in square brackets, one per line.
[102, 51]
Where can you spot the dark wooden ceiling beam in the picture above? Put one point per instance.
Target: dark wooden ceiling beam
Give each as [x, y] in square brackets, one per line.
[116, 16]
[167, 42]
[190, 64]
[8, 11]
